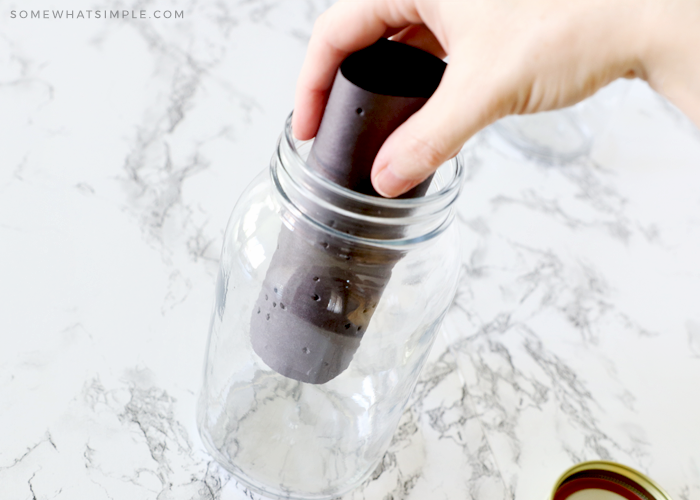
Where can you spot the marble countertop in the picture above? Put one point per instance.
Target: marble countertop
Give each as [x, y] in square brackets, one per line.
[575, 333]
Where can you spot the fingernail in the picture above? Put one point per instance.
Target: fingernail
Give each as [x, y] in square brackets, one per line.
[390, 185]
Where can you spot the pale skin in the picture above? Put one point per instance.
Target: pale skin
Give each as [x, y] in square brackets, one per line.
[505, 57]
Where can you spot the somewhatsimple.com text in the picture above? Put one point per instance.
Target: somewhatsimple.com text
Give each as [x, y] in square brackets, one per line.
[96, 14]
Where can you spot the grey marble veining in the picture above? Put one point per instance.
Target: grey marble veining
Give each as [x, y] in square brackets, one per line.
[575, 333]
[573, 326]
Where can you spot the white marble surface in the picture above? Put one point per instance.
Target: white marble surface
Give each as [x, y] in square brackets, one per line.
[575, 334]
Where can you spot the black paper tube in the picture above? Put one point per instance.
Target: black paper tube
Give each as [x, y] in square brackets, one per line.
[319, 293]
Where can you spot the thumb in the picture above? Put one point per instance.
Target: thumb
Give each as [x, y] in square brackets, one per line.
[431, 136]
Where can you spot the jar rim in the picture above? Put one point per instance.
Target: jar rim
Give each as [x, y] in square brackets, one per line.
[450, 190]
[356, 217]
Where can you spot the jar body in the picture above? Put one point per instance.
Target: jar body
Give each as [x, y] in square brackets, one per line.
[288, 438]
[566, 134]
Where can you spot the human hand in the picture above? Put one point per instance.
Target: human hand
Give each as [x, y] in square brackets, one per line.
[506, 57]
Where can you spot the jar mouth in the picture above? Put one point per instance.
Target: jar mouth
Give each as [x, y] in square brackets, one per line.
[357, 217]
[449, 189]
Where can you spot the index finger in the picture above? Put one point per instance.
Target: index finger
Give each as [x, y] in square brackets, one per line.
[345, 28]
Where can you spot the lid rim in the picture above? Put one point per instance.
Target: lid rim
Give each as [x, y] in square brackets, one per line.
[653, 488]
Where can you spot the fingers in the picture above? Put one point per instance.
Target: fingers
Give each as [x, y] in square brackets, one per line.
[422, 38]
[456, 111]
[346, 27]
[424, 142]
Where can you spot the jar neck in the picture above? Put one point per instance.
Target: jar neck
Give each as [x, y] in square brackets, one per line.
[308, 197]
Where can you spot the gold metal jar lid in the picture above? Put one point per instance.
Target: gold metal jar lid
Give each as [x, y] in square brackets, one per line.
[600, 480]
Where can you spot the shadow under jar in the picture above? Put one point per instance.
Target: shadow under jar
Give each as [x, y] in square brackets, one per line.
[315, 278]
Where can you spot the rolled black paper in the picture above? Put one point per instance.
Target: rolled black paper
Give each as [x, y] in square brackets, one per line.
[319, 293]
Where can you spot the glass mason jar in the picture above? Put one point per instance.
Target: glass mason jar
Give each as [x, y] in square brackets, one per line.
[327, 304]
[566, 134]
